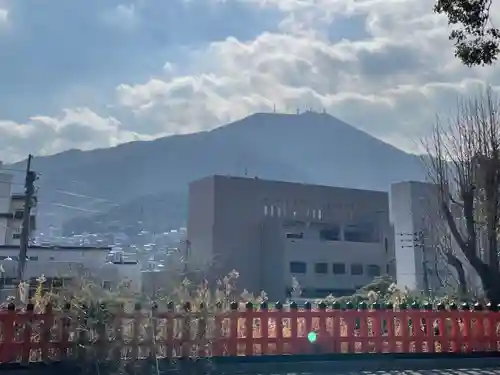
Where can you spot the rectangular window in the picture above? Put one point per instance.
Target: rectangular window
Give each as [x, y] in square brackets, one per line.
[296, 236]
[356, 269]
[331, 233]
[298, 267]
[321, 268]
[373, 270]
[386, 245]
[359, 233]
[339, 268]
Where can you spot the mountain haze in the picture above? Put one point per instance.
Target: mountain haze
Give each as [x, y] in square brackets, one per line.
[144, 184]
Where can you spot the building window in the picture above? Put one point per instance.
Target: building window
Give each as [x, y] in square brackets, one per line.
[339, 268]
[373, 270]
[320, 214]
[359, 233]
[296, 236]
[16, 236]
[271, 213]
[386, 245]
[330, 234]
[356, 269]
[106, 285]
[387, 269]
[266, 210]
[298, 267]
[321, 268]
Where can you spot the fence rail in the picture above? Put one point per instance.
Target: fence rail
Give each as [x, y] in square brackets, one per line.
[105, 333]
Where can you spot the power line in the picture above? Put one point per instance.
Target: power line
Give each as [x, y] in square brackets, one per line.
[75, 208]
[78, 195]
[2, 168]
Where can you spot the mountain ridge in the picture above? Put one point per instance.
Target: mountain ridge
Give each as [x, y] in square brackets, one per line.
[309, 148]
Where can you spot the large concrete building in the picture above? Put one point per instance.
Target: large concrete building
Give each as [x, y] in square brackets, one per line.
[331, 240]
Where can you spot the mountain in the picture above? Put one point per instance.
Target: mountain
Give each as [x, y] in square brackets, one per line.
[144, 184]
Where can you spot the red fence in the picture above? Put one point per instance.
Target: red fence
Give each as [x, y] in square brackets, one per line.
[29, 336]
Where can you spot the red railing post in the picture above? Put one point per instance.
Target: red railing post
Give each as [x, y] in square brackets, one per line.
[65, 323]
[278, 322]
[45, 339]
[294, 334]
[170, 335]
[264, 328]
[234, 318]
[324, 340]
[153, 331]
[201, 331]
[116, 352]
[29, 316]
[249, 315]
[219, 335]
[186, 331]
[8, 348]
[363, 326]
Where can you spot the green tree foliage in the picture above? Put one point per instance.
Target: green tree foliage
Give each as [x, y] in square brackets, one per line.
[476, 39]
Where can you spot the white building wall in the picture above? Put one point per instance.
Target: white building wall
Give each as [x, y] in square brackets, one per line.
[420, 237]
[403, 226]
[5, 194]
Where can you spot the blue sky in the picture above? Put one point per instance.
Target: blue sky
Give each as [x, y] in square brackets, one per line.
[95, 73]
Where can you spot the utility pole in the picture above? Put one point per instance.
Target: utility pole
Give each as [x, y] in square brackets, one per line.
[187, 249]
[29, 185]
[419, 241]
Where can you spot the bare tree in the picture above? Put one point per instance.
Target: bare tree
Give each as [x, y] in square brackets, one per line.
[464, 161]
[440, 248]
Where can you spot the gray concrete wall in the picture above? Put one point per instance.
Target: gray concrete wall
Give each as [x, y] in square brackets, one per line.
[240, 223]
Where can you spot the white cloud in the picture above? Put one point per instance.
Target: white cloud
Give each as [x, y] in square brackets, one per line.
[390, 83]
[4, 16]
[73, 128]
[386, 66]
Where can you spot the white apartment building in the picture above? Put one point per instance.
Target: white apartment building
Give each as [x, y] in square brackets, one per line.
[11, 211]
[70, 262]
[331, 240]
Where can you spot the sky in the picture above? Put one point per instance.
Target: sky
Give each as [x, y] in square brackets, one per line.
[96, 73]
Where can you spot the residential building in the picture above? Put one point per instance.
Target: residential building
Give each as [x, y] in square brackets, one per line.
[67, 263]
[329, 239]
[11, 211]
